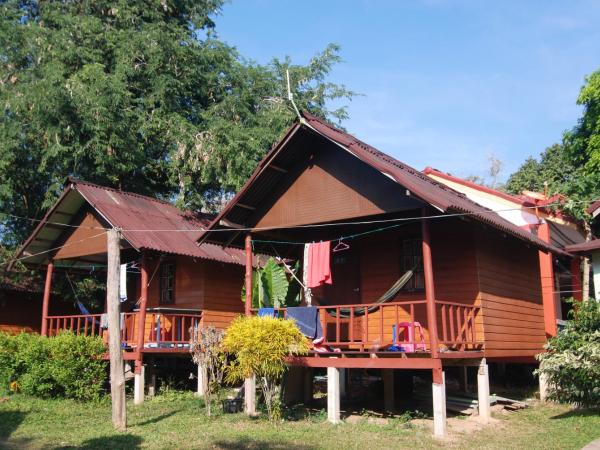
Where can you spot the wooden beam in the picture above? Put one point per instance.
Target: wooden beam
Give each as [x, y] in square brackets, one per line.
[248, 248]
[277, 168]
[117, 375]
[46, 300]
[547, 283]
[242, 205]
[366, 362]
[429, 286]
[229, 224]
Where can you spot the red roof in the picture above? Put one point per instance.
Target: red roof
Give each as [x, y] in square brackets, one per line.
[585, 247]
[422, 186]
[594, 207]
[145, 222]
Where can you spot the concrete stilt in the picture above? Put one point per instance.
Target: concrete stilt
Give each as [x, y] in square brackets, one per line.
[389, 404]
[139, 382]
[202, 378]
[543, 379]
[152, 385]
[250, 395]
[439, 407]
[483, 392]
[333, 395]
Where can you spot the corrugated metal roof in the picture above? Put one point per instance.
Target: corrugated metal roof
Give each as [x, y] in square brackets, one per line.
[585, 247]
[146, 223]
[441, 196]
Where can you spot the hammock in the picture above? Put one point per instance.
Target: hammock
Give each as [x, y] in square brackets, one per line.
[345, 313]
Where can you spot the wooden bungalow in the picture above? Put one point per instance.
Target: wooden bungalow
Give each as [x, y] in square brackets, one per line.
[482, 287]
[172, 283]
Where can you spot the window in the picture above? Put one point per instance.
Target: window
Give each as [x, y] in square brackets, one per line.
[167, 283]
[412, 253]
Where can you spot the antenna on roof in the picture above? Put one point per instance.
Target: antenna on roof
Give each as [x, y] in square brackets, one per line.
[291, 97]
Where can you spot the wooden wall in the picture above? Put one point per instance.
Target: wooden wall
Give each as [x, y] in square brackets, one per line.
[212, 286]
[510, 293]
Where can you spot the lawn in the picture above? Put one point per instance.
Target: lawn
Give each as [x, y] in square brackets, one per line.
[177, 420]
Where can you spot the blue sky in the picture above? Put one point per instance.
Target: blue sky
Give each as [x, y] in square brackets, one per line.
[446, 83]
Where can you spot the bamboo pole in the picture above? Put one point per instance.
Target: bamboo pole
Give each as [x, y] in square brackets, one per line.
[117, 375]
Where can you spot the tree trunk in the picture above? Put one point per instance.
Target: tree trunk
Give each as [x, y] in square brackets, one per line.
[117, 375]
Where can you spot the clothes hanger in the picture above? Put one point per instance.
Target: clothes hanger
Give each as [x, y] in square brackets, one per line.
[341, 246]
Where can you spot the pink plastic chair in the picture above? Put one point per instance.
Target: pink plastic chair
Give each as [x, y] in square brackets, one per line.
[409, 342]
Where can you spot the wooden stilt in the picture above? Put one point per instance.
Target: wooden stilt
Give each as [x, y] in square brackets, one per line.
[46, 300]
[389, 394]
[117, 375]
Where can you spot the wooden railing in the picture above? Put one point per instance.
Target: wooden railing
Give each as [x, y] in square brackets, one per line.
[458, 325]
[370, 327]
[162, 330]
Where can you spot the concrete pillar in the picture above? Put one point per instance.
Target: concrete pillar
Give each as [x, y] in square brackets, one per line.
[250, 395]
[389, 404]
[596, 270]
[543, 379]
[483, 392]
[202, 378]
[333, 395]
[308, 385]
[439, 407]
[139, 381]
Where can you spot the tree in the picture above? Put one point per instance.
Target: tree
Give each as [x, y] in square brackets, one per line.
[554, 168]
[136, 95]
[260, 346]
[206, 349]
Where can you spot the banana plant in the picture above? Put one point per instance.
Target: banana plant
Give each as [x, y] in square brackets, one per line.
[271, 286]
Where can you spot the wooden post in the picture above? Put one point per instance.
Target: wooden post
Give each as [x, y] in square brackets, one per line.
[248, 247]
[46, 300]
[576, 285]
[117, 375]
[389, 395]
[547, 282]
[429, 286]
[141, 332]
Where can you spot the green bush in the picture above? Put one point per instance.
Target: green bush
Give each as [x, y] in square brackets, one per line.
[67, 365]
[260, 346]
[572, 358]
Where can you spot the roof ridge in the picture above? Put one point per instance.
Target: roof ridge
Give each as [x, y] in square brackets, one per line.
[120, 191]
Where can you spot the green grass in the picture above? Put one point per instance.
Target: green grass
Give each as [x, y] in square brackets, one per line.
[178, 421]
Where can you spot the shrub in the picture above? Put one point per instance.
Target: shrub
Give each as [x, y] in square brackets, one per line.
[66, 366]
[260, 346]
[572, 358]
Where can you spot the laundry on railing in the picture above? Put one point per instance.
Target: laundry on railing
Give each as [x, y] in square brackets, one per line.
[307, 320]
[317, 267]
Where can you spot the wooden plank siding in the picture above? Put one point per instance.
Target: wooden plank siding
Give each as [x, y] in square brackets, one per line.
[511, 297]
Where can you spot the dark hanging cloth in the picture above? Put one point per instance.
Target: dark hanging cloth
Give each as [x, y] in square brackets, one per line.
[307, 319]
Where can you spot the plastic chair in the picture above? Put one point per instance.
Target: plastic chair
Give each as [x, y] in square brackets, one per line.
[409, 343]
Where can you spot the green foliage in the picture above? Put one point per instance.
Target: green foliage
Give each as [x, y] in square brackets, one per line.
[272, 286]
[572, 358]
[67, 365]
[141, 96]
[554, 167]
[260, 346]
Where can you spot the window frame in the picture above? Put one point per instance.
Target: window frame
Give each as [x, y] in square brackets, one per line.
[162, 287]
[416, 252]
